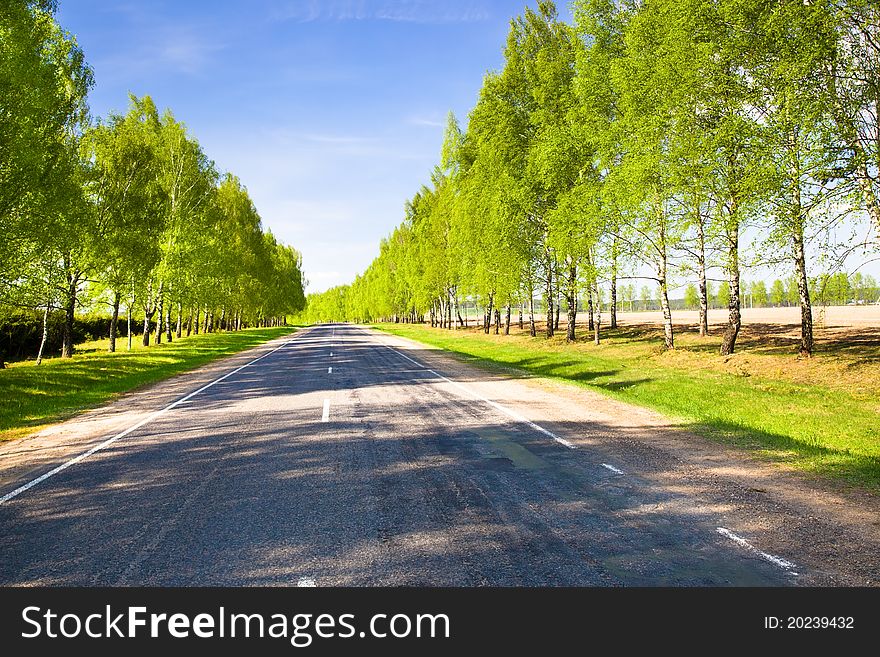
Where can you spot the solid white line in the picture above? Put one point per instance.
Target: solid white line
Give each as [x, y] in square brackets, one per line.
[513, 414]
[778, 561]
[306, 582]
[325, 416]
[613, 469]
[18, 491]
[329, 370]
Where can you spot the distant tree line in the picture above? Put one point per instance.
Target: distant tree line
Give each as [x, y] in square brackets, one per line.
[127, 212]
[829, 290]
[643, 141]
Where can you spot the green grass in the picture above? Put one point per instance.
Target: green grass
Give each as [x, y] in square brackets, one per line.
[807, 414]
[33, 396]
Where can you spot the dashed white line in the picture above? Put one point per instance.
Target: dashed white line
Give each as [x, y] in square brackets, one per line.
[510, 413]
[122, 434]
[612, 468]
[306, 582]
[778, 561]
[329, 370]
[325, 416]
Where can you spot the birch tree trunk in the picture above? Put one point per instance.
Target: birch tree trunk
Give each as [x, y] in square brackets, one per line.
[449, 301]
[571, 299]
[663, 278]
[45, 333]
[69, 315]
[558, 309]
[800, 266]
[117, 297]
[169, 335]
[558, 296]
[489, 312]
[161, 312]
[148, 316]
[703, 288]
[532, 328]
[734, 318]
[614, 284]
[591, 320]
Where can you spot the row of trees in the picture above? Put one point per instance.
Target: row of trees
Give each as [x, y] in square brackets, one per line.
[644, 140]
[128, 211]
[828, 289]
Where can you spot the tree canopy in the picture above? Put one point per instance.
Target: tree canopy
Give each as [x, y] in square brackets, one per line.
[127, 211]
[645, 140]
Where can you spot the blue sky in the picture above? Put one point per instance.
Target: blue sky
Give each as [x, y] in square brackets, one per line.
[330, 111]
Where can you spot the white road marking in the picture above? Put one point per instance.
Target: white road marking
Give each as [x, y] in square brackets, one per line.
[325, 416]
[513, 414]
[329, 370]
[18, 491]
[778, 561]
[331, 354]
[306, 582]
[613, 469]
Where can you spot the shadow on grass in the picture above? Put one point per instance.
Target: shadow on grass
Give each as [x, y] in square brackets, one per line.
[854, 469]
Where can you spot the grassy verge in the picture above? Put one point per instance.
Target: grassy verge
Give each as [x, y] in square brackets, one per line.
[820, 415]
[33, 396]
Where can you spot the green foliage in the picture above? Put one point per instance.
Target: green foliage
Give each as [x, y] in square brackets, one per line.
[43, 85]
[645, 137]
[141, 218]
[777, 293]
[691, 297]
[723, 296]
[834, 289]
[758, 294]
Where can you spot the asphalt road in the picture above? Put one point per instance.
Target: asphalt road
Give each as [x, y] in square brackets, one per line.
[379, 471]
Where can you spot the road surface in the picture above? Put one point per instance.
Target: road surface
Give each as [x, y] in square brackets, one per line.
[343, 456]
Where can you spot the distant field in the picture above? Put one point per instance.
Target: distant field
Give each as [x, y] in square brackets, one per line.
[820, 414]
[836, 329]
[33, 396]
[823, 317]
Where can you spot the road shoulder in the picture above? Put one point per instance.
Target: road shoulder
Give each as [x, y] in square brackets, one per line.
[832, 530]
[27, 457]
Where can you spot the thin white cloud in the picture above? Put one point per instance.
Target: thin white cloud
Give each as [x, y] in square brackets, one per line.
[337, 139]
[425, 122]
[409, 11]
[184, 50]
[328, 145]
